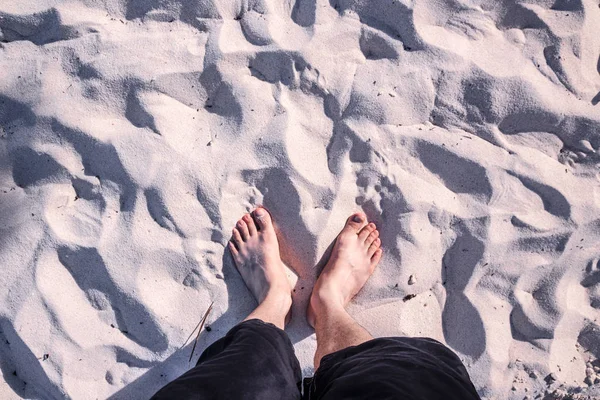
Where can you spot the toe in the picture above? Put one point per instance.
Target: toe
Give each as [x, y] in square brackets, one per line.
[371, 238]
[243, 228]
[374, 247]
[364, 232]
[262, 219]
[232, 248]
[375, 258]
[355, 222]
[236, 237]
[250, 223]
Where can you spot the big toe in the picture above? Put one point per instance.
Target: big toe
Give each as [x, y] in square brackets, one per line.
[262, 219]
[355, 222]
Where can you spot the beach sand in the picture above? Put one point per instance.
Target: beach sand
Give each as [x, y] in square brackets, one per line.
[134, 133]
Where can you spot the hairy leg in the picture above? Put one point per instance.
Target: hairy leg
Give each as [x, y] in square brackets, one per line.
[354, 257]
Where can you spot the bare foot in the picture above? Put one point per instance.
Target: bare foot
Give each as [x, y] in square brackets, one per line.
[255, 251]
[354, 257]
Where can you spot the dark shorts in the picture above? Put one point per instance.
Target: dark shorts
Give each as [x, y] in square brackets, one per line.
[256, 360]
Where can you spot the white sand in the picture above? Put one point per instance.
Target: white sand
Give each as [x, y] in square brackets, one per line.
[133, 133]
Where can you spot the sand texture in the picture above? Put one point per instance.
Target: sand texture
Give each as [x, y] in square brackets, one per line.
[134, 133]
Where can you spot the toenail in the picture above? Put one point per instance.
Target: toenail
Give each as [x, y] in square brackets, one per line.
[357, 218]
[259, 212]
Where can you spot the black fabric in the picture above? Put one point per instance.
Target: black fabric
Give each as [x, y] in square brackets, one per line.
[256, 360]
[392, 368]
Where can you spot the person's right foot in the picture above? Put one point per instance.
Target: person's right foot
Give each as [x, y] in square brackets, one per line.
[353, 259]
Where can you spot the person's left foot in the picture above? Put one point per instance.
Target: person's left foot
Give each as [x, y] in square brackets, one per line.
[255, 251]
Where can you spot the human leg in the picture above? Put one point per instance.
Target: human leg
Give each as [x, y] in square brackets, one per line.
[255, 251]
[353, 259]
[349, 363]
[392, 368]
[256, 359]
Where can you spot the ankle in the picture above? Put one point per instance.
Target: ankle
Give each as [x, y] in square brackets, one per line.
[325, 304]
[274, 308]
[278, 298]
[327, 295]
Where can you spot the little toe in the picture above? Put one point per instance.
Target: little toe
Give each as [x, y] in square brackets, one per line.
[262, 218]
[243, 229]
[250, 223]
[376, 257]
[355, 222]
[371, 238]
[374, 247]
[236, 237]
[232, 248]
[364, 232]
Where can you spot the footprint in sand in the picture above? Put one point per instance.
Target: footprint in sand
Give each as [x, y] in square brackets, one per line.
[75, 212]
[114, 304]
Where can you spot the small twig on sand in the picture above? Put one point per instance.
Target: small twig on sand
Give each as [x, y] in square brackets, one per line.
[201, 325]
